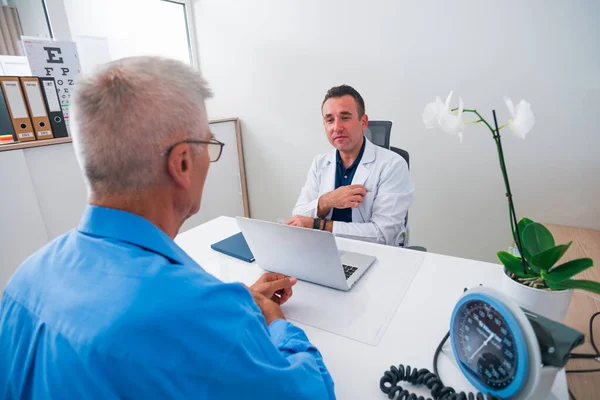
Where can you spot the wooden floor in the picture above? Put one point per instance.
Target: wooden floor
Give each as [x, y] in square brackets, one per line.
[586, 243]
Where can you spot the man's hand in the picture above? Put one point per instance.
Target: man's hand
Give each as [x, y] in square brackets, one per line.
[271, 290]
[299, 220]
[343, 197]
[270, 310]
[276, 287]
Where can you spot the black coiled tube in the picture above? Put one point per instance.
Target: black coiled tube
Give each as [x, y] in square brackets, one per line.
[389, 385]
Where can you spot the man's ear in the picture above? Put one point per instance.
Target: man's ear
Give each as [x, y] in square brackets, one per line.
[364, 121]
[179, 165]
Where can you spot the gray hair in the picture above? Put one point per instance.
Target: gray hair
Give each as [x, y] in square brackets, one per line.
[125, 114]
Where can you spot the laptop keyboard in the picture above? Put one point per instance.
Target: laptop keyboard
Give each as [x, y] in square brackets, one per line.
[348, 270]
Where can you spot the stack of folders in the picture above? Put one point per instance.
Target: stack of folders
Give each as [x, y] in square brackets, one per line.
[30, 110]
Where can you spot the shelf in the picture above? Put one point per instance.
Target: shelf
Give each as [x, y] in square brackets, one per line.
[35, 143]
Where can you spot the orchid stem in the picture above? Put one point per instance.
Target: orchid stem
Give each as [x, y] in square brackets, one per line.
[514, 225]
[481, 119]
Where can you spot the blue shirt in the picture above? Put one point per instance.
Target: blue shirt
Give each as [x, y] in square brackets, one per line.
[343, 177]
[115, 309]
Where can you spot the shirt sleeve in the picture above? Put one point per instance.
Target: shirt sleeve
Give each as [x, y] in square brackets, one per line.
[275, 362]
[395, 195]
[308, 200]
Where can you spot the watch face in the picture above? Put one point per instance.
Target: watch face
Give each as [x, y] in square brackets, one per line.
[485, 344]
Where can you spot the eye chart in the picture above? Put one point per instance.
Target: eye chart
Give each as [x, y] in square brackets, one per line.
[58, 59]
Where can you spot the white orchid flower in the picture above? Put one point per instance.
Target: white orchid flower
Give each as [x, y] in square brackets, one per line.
[522, 118]
[432, 112]
[450, 122]
[438, 113]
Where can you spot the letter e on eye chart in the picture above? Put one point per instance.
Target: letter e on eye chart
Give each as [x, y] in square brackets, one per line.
[57, 59]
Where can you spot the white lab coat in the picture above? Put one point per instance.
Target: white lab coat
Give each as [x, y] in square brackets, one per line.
[390, 192]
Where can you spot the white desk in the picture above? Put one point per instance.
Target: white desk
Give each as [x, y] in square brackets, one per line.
[420, 321]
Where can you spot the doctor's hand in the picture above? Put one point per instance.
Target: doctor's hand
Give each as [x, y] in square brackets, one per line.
[299, 220]
[276, 287]
[343, 197]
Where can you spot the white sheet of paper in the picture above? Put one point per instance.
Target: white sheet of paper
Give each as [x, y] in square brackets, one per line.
[362, 313]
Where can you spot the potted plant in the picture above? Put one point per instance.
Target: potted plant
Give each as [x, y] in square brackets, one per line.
[531, 275]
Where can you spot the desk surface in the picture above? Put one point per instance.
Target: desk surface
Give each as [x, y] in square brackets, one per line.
[419, 323]
[586, 243]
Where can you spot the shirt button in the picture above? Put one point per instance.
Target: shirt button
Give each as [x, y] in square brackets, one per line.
[345, 176]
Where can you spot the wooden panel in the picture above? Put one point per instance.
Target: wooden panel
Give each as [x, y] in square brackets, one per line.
[240, 149]
[586, 243]
[225, 192]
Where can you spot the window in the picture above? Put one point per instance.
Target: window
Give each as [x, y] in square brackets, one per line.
[175, 37]
[21, 18]
[136, 27]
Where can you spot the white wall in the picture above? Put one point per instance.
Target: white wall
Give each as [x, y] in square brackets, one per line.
[271, 61]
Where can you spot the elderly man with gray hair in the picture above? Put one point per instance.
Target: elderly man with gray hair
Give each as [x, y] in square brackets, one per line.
[114, 308]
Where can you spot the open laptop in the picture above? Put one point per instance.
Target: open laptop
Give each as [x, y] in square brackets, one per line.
[307, 254]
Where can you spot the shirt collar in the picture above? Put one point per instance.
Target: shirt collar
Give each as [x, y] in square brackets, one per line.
[368, 154]
[130, 228]
[338, 159]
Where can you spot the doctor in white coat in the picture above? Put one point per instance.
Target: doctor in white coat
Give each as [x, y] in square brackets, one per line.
[357, 190]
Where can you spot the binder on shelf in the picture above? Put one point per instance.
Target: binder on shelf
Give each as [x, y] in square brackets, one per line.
[7, 131]
[17, 109]
[37, 107]
[57, 119]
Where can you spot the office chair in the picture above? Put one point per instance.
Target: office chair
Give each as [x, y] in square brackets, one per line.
[404, 154]
[378, 132]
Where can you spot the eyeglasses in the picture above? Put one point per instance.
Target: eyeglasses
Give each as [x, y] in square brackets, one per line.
[214, 148]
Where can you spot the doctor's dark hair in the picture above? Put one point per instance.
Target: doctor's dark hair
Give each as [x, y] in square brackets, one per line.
[345, 90]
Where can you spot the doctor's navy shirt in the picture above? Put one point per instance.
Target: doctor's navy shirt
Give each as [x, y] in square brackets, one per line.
[115, 309]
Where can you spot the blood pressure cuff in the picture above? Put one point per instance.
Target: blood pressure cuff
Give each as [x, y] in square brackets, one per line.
[556, 340]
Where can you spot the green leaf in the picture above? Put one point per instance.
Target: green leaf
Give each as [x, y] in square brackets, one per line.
[554, 285]
[590, 286]
[537, 238]
[536, 270]
[568, 270]
[547, 258]
[521, 225]
[513, 264]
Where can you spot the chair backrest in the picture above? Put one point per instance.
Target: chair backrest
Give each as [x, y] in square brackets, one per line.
[402, 153]
[378, 132]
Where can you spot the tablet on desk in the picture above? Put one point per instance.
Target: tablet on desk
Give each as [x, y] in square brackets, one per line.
[234, 246]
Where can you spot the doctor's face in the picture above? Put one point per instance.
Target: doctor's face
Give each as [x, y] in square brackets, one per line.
[343, 126]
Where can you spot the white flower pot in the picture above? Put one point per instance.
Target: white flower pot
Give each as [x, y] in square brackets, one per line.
[548, 303]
